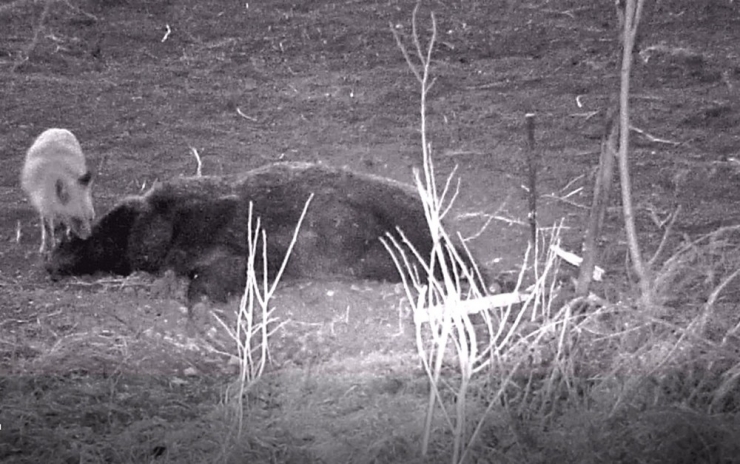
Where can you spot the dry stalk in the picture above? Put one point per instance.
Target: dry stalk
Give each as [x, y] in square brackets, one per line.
[435, 288]
[630, 18]
[531, 156]
[36, 33]
[602, 190]
[436, 292]
[255, 316]
[199, 167]
[664, 240]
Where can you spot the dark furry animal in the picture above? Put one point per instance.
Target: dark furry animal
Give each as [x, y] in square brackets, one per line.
[198, 228]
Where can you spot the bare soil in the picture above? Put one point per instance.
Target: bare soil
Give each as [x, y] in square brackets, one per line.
[111, 369]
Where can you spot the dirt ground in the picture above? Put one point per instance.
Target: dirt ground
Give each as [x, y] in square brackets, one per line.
[141, 83]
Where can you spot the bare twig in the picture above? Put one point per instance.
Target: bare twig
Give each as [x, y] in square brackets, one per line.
[36, 33]
[250, 332]
[602, 189]
[531, 178]
[198, 172]
[630, 18]
[167, 33]
[81, 11]
[575, 260]
[653, 138]
[654, 260]
[564, 200]
[241, 113]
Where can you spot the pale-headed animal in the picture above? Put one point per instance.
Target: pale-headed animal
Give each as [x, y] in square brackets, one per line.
[58, 184]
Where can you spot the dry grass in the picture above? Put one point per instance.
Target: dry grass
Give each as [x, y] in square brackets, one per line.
[103, 370]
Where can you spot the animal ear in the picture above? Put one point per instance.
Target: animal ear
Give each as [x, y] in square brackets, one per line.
[85, 179]
[62, 192]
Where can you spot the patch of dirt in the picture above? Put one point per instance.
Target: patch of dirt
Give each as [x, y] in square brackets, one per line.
[141, 83]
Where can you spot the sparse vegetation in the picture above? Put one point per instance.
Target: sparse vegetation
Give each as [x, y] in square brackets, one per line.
[255, 322]
[114, 370]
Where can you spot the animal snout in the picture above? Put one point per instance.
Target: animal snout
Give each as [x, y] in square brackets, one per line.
[81, 227]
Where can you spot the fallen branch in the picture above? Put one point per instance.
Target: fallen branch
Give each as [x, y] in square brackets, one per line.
[653, 138]
[198, 172]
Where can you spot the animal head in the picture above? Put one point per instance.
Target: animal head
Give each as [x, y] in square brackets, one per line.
[75, 203]
[106, 247]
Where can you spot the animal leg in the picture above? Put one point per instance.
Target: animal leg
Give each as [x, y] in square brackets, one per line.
[42, 223]
[48, 237]
[52, 234]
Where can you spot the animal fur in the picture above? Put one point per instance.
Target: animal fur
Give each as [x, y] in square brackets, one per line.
[198, 228]
[58, 184]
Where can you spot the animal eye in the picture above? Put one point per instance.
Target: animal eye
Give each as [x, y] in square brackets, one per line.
[85, 179]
